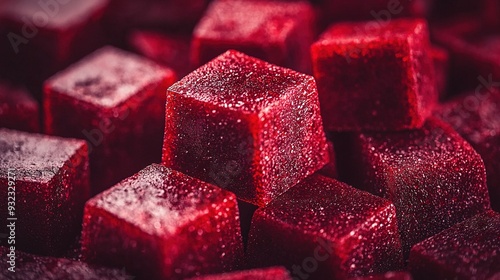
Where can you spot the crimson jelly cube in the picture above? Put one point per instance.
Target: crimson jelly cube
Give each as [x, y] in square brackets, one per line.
[48, 176]
[469, 250]
[475, 115]
[270, 273]
[323, 229]
[116, 101]
[279, 33]
[399, 275]
[45, 36]
[165, 49]
[18, 109]
[432, 175]
[440, 58]
[162, 224]
[377, 78]
[32, 267]
[245, 125]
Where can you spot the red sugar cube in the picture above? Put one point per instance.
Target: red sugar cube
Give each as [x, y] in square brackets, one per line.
[380, 78]
[48, 176]
[475, 116]
[245, 125]
[324, 229]
[18, 109]
[162, 224]
[330, 169]
[469, 250]
[433, 176]
[32, 267]
[45, 36]
[279, 33]
[116, 101]
[167, 50]
[271, 273]
[441, 61]
[399, 275]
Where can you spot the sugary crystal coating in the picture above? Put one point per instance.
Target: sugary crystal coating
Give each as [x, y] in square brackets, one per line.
[47, 178]
[245, 125]
[162, 224]
[380, 78]
[324, 229]
[399, 275]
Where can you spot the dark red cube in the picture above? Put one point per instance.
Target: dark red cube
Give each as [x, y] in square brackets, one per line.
[245, 125]
[398, 275]
[116, 101]
[270, 273]
[43, 37]
[441, 60]
[277, 32]
[380, 78]
[162, 224]
[432, 175]
[476, 116]
[469, 250]
[32, 267]
[18, 109]
[47, 178]
[324, 229]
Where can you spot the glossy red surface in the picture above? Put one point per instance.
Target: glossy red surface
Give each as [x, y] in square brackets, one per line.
[18, 109]
[162, 224]
[114, 100]
[51, 185]
[378, 78]
[468, 250]
[432, 175]
[277, 32]
[245, 125]
[324, 229]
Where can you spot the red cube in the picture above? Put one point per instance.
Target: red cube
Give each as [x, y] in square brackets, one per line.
[432, 175]
[469, 250]
[323, 229]
[46, 184]
[399, 275]
[245, 125]
[45, 36]
[32, 267]
[441, 60]
[116, 101]
[374, 77]
[277, 32]
[330, 169]
[18, 109]
[162, 224]
[475, 115]
[271, 273]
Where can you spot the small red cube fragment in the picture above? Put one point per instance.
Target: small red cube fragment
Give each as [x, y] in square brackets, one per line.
[469, 250]
[432, 175]
[18, 109]
[32, 267]
[245, 125]
[162, 224]
[270, 273]
[476, 116]
[116, 101]
[324, 229]
[45, 185]
[380, 78]
[277, 32]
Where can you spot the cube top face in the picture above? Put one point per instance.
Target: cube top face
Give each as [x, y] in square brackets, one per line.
[250, 21]
[322, 206]
[160, 200]
[373, 34]
[240, 82]
[107, 77]
[35, 157]
[269, 273]
[468, 250]
[52, 14]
